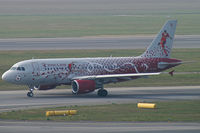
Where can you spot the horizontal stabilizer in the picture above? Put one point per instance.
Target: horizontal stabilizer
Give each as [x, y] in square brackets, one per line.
[163, 65]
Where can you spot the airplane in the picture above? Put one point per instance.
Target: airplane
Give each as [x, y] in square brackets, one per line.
[86, 75]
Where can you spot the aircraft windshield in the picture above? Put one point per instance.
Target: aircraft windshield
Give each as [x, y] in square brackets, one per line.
[18, 68]
[13, 68]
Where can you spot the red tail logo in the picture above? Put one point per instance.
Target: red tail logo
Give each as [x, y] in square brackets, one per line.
[163, 40]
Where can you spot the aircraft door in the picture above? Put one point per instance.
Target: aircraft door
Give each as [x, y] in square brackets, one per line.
[36, 69]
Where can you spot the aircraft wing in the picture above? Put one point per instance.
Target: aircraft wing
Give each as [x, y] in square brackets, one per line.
[93, 77]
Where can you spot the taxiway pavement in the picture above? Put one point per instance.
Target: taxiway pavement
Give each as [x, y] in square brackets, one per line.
[14, 100]
[96, 127]
[109, 42]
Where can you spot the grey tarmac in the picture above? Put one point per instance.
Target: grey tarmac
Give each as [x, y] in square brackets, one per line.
[96, 127]
[101, 42]
[15, 100]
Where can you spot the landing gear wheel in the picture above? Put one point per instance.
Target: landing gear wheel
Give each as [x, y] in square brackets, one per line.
[102, 93]
[30, 94]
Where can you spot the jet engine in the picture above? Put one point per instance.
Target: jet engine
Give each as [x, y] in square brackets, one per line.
[45, 87]
[83, 86]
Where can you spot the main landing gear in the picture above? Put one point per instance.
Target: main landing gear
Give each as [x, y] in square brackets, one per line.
[30, 93]
[102, 93]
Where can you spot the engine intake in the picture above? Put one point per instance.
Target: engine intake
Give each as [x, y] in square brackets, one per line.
[83, 86]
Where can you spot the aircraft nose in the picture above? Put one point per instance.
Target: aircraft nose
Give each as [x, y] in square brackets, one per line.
[4, 76]
[11, 77]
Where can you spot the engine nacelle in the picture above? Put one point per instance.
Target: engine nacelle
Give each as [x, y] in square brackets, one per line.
[45, 87]
[83, 86]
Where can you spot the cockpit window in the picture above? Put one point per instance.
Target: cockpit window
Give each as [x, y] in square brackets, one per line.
[18, 68]
[23, 69]
[13, 68]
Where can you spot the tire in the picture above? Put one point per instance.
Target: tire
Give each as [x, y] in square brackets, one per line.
[30, 94]
[102, 93]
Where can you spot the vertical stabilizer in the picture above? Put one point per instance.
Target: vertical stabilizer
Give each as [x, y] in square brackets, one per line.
[161, 45]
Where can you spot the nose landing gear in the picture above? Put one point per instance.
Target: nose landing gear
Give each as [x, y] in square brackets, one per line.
[30, 93]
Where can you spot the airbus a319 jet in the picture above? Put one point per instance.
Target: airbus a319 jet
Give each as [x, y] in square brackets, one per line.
[86, 75]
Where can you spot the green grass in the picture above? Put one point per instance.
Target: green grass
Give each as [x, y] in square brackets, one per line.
[94, 17]
[179, 111]
[21, 26]
[8, 58]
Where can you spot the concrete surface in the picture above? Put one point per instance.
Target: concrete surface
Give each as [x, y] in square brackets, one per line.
[117, 42]
[96, 127]
[13, 100]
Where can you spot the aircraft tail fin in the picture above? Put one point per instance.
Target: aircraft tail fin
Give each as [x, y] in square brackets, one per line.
[162, 44]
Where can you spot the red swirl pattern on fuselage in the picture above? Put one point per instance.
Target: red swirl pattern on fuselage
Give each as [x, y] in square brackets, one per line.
[118, 65]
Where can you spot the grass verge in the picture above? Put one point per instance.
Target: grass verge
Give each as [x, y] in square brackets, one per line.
[173, 111]
[47, 26]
